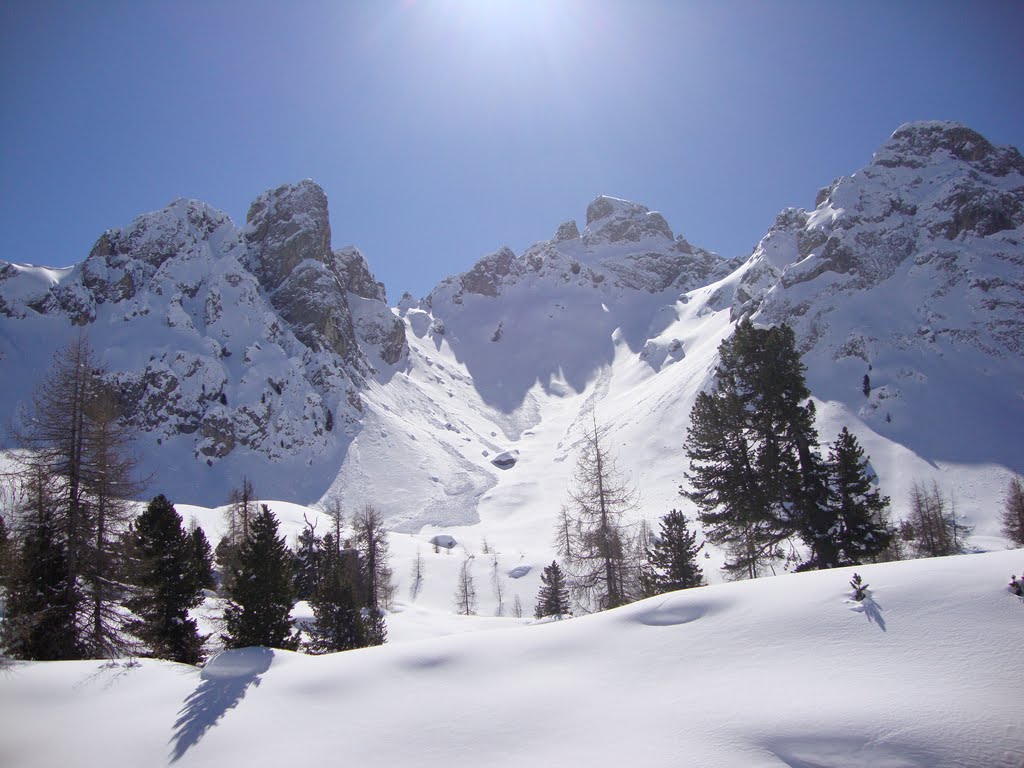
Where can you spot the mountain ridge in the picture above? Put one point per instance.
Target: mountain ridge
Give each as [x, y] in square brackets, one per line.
[274, 355]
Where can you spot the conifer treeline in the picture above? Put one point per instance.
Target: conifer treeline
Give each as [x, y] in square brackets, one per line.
[83, 578]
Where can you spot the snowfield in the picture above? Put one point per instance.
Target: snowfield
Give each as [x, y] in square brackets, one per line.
[782, 671]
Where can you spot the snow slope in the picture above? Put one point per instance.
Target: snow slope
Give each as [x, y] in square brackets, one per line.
[782, 671]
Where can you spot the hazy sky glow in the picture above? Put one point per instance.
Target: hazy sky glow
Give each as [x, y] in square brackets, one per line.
[443, 129]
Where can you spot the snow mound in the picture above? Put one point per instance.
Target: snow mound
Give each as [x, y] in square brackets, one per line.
[238, 663]
[680, 608]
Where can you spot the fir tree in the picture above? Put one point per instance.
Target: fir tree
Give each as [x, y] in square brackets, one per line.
[262, 589]
[553, 597]
[673, 556]
[201, 559]
[167, 584]
[308, 556]
[40, 620]
[339, 623]
[755, 472]
[854, 527]
[860, 589]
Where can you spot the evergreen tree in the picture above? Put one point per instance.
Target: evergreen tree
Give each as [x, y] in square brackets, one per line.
[854, 528]
[755, 472]
[308, 556]
[39, 622]
[262, 589]
[1012, 517]
[339, 623]
[673, 556]
[167, 584]
[592, 537]
[553, 597]
[201, 559]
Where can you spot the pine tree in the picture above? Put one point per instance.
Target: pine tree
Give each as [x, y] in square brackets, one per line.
[339, 623]
[201, 559]
[853, 529]
[308, 559]
[1012, 517]
[755, 472]
[592, 537]
[673, 556]
[167, 584]
[262, 591]
[553, 597]
[39, 622]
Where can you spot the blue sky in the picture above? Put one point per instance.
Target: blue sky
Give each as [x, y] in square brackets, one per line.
[443, 129]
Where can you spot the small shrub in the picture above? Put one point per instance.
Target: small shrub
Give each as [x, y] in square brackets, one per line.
[860, 589]
[1016, 585]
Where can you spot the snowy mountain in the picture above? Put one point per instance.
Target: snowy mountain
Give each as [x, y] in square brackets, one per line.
[259, 350]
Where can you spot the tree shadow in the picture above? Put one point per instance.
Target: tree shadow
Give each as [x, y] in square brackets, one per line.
[225, 681]
[872, 610]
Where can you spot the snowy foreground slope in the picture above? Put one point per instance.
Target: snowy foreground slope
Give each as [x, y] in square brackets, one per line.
[782, 671]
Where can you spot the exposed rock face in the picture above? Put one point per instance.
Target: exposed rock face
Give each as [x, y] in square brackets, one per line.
[288, 235]
[567, 230]
[258, 338]
[937, 215]
[614, 221]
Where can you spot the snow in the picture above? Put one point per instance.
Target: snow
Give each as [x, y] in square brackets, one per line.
[774, 672]
[784, 671]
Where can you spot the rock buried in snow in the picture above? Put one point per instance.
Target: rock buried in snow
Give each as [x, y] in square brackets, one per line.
[444, 540]
[506, 459]
[519, 571]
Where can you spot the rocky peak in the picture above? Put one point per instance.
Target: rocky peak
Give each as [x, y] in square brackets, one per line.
[917, 144]
[611, 220]
[285, 226]
[357, 278]
[567, 230]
